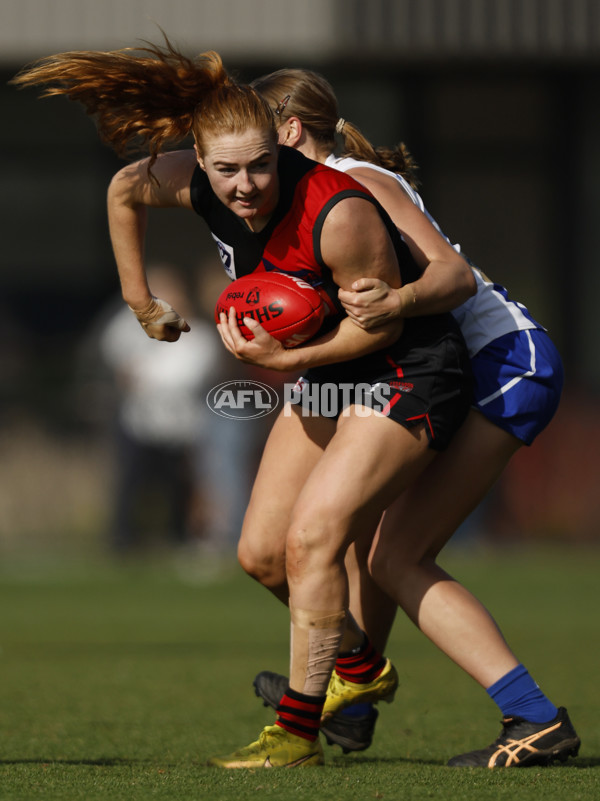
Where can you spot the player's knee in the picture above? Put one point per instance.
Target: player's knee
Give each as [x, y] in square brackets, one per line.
[265, 565]
[311, 546]
[401, 578]
[391, 570]
[383, 571]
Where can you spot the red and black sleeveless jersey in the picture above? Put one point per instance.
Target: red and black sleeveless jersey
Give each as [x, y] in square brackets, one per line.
[291, 241]
[427, 367]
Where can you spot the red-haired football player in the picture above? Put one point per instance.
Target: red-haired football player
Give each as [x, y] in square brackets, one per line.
[324, 479]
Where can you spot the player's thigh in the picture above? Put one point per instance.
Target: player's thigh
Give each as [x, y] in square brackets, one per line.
[422, 520]
[295, 444]
[369, 461]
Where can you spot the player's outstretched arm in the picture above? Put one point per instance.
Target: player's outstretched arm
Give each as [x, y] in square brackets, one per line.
[132, 190]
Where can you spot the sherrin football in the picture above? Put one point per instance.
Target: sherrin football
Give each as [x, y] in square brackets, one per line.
[290, 309]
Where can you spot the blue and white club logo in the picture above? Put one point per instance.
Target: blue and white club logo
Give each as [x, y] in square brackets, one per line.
[242, 400]
[226, 254]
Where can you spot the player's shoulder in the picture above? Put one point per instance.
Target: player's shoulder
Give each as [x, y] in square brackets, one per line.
[176, 166]
[352, 217]
[337, 190]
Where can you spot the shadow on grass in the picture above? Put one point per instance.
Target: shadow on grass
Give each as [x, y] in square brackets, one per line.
[336, 762]
[108, 762]
[339, 762]
[345, 762]
[582, 762]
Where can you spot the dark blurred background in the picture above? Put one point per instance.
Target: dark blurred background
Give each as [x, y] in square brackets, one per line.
[498, 100]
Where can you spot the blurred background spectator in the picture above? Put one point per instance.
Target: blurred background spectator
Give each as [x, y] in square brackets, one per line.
[160, 421]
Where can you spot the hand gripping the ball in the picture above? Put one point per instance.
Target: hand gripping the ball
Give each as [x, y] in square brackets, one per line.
[262, 349]
[160, 320]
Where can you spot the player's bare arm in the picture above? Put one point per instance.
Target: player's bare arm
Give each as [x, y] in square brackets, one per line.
[132, 190]
[447, 280]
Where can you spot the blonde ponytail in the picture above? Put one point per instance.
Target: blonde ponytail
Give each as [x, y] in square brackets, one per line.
[396, 159]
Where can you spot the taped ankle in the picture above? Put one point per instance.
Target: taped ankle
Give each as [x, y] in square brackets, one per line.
[315, 639]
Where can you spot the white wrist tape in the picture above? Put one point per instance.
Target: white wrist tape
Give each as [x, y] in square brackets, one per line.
[159, 312]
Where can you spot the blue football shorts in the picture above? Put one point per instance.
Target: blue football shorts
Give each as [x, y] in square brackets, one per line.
[518, 380]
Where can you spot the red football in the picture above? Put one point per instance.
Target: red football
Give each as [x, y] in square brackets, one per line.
[287, 307]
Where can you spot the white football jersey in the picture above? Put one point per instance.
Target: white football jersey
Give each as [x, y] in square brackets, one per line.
[490, 313]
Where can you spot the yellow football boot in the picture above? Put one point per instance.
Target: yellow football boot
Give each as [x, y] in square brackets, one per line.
[342, 693]
[275, 748]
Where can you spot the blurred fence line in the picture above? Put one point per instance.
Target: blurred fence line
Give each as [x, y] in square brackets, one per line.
[255, 30]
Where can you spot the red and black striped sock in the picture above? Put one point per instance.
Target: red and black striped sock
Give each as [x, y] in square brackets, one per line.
[360, 666]
[300, 714]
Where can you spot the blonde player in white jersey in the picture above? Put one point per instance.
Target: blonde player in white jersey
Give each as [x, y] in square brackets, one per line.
[518, 381]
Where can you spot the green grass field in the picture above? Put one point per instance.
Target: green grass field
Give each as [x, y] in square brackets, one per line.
[119, 682]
